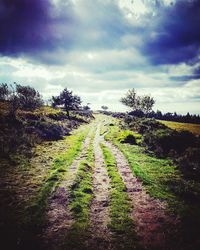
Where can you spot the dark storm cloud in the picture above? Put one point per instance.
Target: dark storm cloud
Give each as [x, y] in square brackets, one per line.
[174, 34]
[44, 31]
[28, 26]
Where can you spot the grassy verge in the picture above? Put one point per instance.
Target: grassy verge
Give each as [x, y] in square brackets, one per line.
[163, 181]
[155, 173]
[81, 196]
[55, 176]
[25, 217]
[121, 223]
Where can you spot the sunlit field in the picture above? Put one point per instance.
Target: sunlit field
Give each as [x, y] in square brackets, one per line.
[194, 128]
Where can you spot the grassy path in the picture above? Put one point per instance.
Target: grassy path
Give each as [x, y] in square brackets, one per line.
[59, 217]
[121, 223]
[99, 233]
[81, 196]
[100, 194]
[30, 184]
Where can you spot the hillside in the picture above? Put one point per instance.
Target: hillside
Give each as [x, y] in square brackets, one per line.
[97, 188]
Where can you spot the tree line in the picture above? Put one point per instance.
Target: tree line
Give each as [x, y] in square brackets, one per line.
[28, 99]
[142, 107]
[188, 118]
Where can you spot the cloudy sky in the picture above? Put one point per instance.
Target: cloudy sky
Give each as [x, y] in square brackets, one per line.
[101, 48]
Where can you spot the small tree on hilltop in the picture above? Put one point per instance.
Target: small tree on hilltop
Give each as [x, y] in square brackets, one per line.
[131, 100]
[55, 101]
[147, 103]
[138, 104]
[68, 100]
[20, 97]
[104, 108]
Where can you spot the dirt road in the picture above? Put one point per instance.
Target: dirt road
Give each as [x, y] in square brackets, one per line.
[150, 216]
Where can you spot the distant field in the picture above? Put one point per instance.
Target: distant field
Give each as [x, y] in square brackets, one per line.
[194, 128]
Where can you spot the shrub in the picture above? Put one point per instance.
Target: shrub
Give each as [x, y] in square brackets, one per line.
[4, 91]
[189, 163]
[28, 98]
[167, 142]
[143, 125]
[129, 139]
[118, 115]
[128, 136]
[14, 138]
[47, 130]
[137, 113]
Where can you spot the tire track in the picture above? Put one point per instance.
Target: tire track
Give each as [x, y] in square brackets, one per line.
[100, 235]
[149, 214]
[58, 214]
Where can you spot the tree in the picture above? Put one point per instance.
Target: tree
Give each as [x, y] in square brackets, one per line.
[138, 103]
[104, 108]
[27, 97]
[147, 103]
[68, 100]
[55, 101]
[20, 97]
[131, 100]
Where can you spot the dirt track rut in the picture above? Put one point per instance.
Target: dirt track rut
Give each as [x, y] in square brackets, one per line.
[58, 214]
[149, 214]
[99, 211]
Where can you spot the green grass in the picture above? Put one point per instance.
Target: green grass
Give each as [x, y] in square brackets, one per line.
[55, 176]
[157, 175]
[103, 130]
[120, 207]
[164, 181]
[81, 197]
[126, 133]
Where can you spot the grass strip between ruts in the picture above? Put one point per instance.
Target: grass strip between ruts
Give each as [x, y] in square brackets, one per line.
[81, 197]
[120, 207]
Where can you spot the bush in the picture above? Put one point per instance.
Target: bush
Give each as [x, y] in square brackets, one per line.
[28, 98]
[189, 163]
[4, 91]
[130, 137]
[137, 113]
[47, 130]
[167, 142]
[20, 97]
[143, 125]
[118, 115]
[14, 138]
